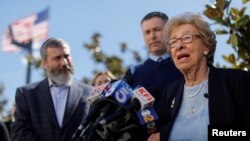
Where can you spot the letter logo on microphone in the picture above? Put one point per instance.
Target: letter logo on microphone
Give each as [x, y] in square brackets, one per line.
[121, 95]
[120, 91]
[105, 88]
[99, 92]
[145, 98]
[147, 115]
[148, 119]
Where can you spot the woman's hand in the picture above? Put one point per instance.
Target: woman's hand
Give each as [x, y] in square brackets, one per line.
[154, 137]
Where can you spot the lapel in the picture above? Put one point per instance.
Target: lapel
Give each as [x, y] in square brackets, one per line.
[44, 93]
[213, 82]
[214, 86]
[74, 97]
[177, 99]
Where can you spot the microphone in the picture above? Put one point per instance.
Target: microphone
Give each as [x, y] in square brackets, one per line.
[99, 92]
[152, 119]
[120, 91]
[141, 99]
[144, 97]
[128, 132]
[96, 101]
[128, 108]
[95, 104]
[113, 102]
[147, 115]
[114, 126]
[93, 112]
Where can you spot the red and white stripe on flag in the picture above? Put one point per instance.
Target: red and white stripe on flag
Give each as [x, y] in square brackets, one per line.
[33, 27]
[6, 42]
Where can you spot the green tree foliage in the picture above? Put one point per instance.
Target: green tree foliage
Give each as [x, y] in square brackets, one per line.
[3, 101]
[236, 23]
[113, 63]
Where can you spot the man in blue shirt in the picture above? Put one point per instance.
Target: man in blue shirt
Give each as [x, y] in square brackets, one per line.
[53, 108]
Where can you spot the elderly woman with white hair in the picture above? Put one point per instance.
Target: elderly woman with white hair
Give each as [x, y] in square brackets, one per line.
[206, 96]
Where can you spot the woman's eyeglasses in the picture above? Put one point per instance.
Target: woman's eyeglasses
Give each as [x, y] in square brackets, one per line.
[185, 39]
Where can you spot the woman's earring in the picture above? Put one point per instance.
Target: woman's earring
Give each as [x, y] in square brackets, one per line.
[205, 53]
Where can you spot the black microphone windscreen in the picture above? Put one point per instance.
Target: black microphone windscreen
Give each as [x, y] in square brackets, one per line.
[93, 112]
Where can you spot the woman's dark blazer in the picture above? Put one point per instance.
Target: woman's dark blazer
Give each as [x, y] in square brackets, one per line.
[228, 99]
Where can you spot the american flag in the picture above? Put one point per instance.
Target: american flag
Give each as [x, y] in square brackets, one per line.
[34, 27]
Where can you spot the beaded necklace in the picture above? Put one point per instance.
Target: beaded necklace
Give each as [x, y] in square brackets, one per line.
[199, 89]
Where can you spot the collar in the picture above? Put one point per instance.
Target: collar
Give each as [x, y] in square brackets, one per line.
[51, 84]
[155, 58]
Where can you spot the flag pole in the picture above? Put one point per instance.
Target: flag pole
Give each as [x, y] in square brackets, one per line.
[38, 25]
[29, 64]
[27, 46]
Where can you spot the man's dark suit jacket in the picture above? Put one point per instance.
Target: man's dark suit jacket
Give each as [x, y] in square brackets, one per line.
[4, 133]
[228, 99]
[35, 117]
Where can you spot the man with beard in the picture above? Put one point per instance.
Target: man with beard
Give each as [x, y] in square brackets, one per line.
[52, 109]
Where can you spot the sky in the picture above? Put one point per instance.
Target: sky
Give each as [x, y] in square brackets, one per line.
[76, 21]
